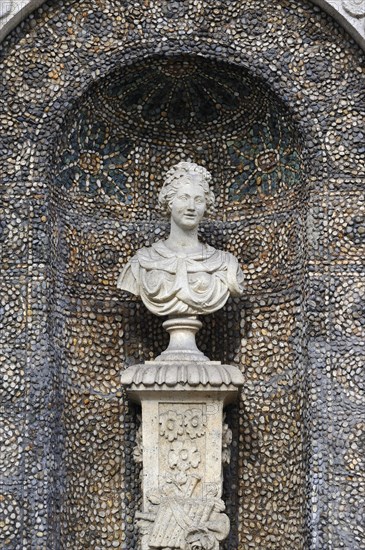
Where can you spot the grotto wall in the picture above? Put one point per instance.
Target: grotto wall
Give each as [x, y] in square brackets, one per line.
[97, 100]
[348, 13]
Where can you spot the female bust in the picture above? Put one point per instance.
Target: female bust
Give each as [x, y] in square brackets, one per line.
[181, 275]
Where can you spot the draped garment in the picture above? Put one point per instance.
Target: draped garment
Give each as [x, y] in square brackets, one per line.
[174, 283]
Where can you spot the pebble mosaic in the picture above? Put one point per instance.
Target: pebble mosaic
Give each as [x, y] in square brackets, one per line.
[98, 99]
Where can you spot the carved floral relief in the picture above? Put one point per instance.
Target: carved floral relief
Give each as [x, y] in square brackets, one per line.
[171, 425]
[184, 513]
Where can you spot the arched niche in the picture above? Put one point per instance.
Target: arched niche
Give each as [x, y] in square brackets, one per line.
[114, 146]
[56, 414]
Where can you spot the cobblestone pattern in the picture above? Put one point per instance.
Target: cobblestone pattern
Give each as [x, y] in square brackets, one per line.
[97, 100]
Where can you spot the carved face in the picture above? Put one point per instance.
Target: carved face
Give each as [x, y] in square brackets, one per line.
[188, 205]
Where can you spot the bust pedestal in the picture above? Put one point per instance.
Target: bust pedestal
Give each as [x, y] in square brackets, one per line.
[182, 346]
[182, 393]
[182, 440]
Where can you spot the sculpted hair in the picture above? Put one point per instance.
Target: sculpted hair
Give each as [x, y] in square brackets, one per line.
[176, 176]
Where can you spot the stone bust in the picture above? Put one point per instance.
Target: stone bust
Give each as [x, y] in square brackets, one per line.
[181, 275]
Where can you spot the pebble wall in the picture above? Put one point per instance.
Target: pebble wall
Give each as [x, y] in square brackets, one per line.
[98, 98]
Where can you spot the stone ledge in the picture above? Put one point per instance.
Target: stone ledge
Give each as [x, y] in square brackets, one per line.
[207, 374]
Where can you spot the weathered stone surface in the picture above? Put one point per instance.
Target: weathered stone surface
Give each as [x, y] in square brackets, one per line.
[182, 450]
[182, 276]
[208, 373]
[82, 157]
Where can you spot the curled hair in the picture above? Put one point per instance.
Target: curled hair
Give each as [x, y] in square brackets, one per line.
[175, 177]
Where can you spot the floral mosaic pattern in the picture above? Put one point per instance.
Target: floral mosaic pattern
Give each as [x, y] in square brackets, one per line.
[267, 160]
[174, 99]
[182, 94]
[66, 331]
[94, 161]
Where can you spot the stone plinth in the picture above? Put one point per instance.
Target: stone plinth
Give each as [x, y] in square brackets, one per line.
[183, 434]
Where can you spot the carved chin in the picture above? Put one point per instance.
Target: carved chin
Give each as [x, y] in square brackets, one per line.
[188, 223]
